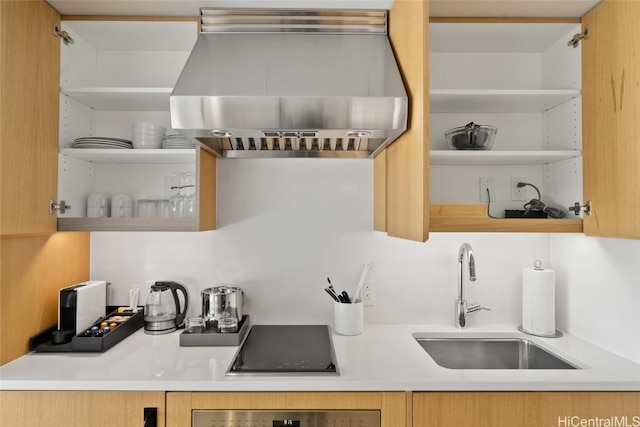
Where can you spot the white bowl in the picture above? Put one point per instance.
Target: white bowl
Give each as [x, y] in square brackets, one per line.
[147, 143]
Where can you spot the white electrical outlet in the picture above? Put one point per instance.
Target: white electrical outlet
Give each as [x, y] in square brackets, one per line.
[368, 293]
[518, 193]
[487, 183]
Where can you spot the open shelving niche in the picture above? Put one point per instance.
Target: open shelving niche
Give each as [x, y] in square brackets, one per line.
[114, 74]
[524, 79]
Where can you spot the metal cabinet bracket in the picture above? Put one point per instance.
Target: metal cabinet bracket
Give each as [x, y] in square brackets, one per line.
[575, 41]
[62, 206]
[66, 38]
[577, 208]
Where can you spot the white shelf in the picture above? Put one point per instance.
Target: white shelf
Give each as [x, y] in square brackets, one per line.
[498, 101]
[126, 224]
[121, 98]
[136, 156]
[505, 158]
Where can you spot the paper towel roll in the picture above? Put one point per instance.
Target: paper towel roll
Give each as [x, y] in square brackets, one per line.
[539, 301]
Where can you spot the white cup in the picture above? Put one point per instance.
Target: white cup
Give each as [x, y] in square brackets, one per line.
[97, 200]
[97, 205]
[96, 211]
[121, 206]
[146, 208]
[348, 318]
[163, 208]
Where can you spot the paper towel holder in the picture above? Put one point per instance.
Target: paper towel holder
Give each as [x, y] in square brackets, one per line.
[557, 333]
[537, 265]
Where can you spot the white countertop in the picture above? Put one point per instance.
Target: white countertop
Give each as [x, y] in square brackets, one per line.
[383, 357]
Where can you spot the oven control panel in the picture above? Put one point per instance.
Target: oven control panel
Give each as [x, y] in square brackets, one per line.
[259, 418]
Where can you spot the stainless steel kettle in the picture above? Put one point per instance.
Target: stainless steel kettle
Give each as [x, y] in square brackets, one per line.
[162, 313]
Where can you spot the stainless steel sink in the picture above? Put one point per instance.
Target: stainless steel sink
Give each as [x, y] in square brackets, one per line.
[489, 353]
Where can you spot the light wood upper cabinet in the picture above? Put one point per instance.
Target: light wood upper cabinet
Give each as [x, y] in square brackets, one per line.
[115, 74]
[401, 184]
[611, 102]
[29, 115]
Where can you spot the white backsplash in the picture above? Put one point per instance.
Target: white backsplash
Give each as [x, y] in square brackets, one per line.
[285, 225]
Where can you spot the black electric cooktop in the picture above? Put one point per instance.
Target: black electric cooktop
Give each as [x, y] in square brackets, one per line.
[286, 350]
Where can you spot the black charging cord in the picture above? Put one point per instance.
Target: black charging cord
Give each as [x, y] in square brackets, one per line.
[532, 205]
[489, 205]
[538, 205]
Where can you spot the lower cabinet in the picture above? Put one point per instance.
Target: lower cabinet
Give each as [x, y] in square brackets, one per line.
[81, 408]
[524, 409]
[392, 405]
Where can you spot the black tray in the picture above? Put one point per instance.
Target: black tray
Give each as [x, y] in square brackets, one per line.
[42, 341]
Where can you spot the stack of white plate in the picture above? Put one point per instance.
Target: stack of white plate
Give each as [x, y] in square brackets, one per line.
[175, 140]
[148, 135]
[100, 142]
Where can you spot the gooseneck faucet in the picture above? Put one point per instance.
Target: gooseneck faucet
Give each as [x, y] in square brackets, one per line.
[463, 309]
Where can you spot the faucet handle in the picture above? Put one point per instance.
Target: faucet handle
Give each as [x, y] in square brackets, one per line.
[472, 308]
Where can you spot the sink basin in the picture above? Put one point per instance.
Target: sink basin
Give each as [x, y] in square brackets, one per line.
[489, 353]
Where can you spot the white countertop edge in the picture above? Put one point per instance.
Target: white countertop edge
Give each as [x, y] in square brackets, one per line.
[382, 358]
[315, 387]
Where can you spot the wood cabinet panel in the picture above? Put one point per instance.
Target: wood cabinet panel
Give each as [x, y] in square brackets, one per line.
[407, 158]
[206, 186]
[523, 409]
[611, 107]
[79, 408]
[393, 405]
[32, 270]
[29, 78]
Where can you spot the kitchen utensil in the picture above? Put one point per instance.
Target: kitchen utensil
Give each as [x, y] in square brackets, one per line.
[471, 137]
[221, 302]
[162, 313]
[363, 276]
[332, 294]
[134, 295]
[345, 297]
[195, 325]
[228, 325]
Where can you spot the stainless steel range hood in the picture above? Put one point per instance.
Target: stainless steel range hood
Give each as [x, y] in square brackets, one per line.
[291, 83]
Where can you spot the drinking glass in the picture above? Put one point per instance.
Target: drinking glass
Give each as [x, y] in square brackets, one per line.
[189, 192]
[178, 200]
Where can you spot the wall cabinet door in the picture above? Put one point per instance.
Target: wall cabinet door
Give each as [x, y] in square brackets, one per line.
[611, 102]
[29, 79]
[524, 409]
[81, 408]
[401, 172]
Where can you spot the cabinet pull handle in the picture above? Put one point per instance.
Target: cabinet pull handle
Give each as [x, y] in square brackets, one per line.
[150, 417]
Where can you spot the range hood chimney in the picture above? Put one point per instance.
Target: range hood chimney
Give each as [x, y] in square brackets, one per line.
[291, 83]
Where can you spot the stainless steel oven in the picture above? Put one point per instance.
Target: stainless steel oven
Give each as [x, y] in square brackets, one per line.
[261, 418]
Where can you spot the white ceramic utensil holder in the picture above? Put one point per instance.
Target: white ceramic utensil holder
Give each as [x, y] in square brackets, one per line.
[348, 318]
